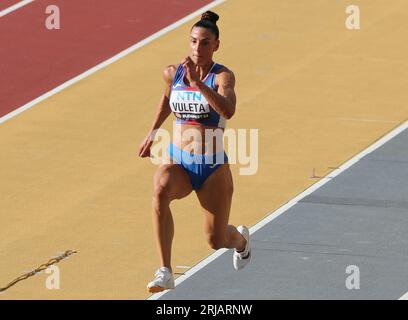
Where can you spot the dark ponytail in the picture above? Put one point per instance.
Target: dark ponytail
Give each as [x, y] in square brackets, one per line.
[209, 21]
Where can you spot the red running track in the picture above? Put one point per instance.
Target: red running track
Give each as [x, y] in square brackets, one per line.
[34, 60]
[4, 4]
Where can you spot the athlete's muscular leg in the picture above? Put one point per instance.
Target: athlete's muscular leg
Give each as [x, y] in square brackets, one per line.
[215, 197]
[170, 182]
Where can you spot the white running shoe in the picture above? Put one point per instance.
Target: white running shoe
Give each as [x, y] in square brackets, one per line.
[241, 259]
[164, 280]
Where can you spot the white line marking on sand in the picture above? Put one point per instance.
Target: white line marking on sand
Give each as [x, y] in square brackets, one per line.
[14, 7]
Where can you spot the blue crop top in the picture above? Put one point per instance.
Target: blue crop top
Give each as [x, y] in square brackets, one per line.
[189, 105]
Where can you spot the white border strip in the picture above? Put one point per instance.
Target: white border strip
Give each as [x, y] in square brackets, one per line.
[110, 61]
[14, 7]
[404, 297]
[292, 202]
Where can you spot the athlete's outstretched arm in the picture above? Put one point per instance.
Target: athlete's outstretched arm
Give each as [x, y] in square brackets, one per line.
[224, 100]
[163, 111]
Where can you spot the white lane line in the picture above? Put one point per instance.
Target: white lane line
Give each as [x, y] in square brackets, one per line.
[14, 7]
[190, 272]
[404, 297]
[109, 61]
[292, 202]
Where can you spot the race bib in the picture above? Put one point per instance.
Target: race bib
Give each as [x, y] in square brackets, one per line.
[189, 105]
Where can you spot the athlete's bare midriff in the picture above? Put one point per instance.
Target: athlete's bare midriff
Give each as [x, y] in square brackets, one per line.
[198, 139]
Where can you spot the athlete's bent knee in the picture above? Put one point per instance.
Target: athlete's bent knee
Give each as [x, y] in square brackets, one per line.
[161, 198]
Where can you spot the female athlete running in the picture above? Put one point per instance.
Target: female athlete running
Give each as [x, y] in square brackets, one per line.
[201, 94]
